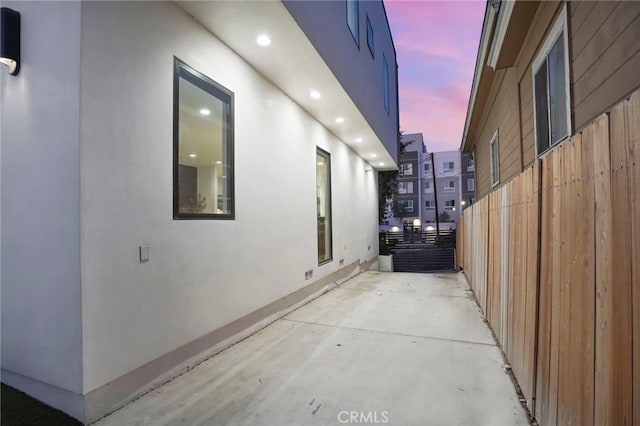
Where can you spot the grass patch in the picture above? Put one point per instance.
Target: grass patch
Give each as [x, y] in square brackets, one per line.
[19, 409]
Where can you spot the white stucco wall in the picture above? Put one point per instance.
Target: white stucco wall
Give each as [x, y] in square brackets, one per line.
[41, 314]
[201, 274]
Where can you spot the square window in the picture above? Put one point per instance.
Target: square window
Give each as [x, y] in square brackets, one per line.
[406, 169]
[447, 166]
[550, 74]
[427, 167]
[203, 169]
[430, 205]
[369, 36]
[353, 20]
[449, 186]
[405, 187]
[428, 186]
[450, 205]
[408, 206]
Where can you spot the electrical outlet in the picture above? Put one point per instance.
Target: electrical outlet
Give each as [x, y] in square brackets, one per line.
[144, 253]
[341, 262]
[308, 274]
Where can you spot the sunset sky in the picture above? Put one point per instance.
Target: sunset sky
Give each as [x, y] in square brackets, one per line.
[436, 45]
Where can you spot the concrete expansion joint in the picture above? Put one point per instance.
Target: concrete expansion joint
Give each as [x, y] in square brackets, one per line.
[367, 330]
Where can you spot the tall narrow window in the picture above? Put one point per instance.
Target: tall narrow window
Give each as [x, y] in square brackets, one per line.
[471, 184]
[370, 36]
[353, 20]
[385, 77]
[202, 147]
[551, 88]
[323, 200]
[495, 163]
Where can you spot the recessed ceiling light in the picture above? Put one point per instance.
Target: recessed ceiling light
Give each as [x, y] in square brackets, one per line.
[263, 40]
[373, 156]
[218, 162]
[320, 163]
[358, 139]
[381, 164]
[339, 120]
[205, 111]
[193, 155]
[314, 94]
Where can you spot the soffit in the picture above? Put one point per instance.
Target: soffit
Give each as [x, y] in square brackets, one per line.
[293, 64]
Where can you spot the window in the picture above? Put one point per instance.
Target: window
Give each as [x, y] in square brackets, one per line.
[353, 20]
[323, 205]
[447, 166]
[450, 205]
[406, 169]
[471, 184]
[369, 36]
[385, 77]
[428, 186]
[202, 146]
[430, 205]
[551, 88]
[405, 187]
[470, 165]
[449, 186]
[427, 167]
[408, 206]
[495, 165]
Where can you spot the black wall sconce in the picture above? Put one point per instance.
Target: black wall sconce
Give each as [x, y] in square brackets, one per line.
[10, 40]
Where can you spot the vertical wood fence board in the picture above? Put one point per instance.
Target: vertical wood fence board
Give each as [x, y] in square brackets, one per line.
[632, 112]
[604, 258]
[576, 277]
[544, 313]
[618, 352]
[556, 253]
[532, 284]
[586, 329]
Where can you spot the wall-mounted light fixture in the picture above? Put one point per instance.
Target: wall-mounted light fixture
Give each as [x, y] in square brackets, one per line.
[10, 40]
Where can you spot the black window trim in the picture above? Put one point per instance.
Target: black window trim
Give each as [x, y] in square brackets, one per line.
[356, 37]
[371, 48]
[181, 69]
[327, 155]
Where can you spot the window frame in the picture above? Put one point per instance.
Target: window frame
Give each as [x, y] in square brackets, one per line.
[405, 168]
[472, 187]
[386, 83]
[428, 187]
[370, 40]
[208, 85]
[432, 205]
[495, 163]
[327, 157]
[406, 206]
[448, 187]
[407, 190]
[355, 32]
[447, 170]
[449, 207]
[559, 26]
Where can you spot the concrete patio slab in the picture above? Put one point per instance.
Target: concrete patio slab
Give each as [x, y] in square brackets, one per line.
[384, 348]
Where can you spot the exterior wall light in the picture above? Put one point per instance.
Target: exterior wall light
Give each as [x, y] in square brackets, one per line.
[10, 40]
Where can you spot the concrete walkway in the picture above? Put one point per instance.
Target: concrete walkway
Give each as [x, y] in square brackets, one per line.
[383, 348]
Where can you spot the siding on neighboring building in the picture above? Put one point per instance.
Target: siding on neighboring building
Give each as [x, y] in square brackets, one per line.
[604, 56]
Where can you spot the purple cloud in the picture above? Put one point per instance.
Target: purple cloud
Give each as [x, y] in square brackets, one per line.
[436, 44]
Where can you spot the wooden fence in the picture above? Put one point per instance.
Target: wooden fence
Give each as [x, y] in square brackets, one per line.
[553, 257]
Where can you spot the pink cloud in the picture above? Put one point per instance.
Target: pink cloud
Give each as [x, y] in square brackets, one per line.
[436, 44]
